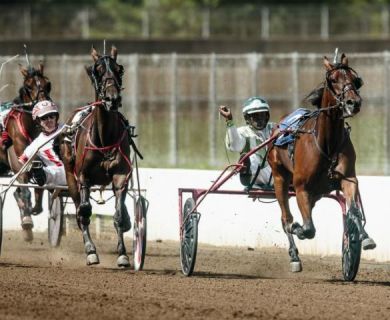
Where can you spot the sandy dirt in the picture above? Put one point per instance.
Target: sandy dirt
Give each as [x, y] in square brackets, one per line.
[39, 282]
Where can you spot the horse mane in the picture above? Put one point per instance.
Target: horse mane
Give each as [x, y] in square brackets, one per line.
[315, 96]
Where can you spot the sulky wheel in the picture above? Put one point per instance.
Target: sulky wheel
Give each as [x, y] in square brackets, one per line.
[189, 237]
[352, 247]
[1, 221]
[55, 221]
[139, 233]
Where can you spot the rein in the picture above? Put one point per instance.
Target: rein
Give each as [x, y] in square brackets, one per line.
[16, 113]
[105, 149]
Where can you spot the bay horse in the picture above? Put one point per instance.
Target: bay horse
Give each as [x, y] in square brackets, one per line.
[323, 158]
[99, 153]
[22, 131]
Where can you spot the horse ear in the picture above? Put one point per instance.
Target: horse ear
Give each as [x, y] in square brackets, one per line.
[327, 64]
[94, 54]
[23, 70]
[114, 53]
[344, 59]
[88, 69]
[41, 68]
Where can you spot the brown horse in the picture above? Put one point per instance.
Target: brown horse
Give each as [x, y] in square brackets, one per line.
[22, 130]
[323, 159]
[99, 153]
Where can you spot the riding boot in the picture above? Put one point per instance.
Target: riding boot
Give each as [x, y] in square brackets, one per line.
[38, 173]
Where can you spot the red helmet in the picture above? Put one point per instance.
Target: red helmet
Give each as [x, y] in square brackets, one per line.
[43, 108]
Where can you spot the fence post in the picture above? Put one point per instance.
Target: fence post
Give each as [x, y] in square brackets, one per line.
[85, 23]
[64, 80]
[385, 21]
[386, 100]
[324, 22]
[264, 23]
[146, 24]
[212, 110]
[173, 112]
[134, 94]
[253, 64]
[98, 225]
[294, 80]
[27, 21]
[206, 23]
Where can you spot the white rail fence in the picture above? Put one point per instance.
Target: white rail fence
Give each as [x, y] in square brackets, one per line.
[235, 220]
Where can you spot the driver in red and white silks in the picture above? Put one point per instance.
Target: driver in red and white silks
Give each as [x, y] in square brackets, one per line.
[46, 114]
[257, 129]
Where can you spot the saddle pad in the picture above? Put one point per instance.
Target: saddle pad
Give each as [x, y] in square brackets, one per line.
[292, 122]
[5, 108]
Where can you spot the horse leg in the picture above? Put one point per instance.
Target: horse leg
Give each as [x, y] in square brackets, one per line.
[281, 192]
[305, 207]
[37, 209]
[121, 218]
[84, 212]
[23, 200]
[350, 190]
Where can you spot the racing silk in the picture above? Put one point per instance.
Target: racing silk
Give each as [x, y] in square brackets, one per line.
[53, 166]
[243, 139]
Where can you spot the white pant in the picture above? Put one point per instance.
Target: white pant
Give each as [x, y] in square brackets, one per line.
[55, 175]
[264, 174]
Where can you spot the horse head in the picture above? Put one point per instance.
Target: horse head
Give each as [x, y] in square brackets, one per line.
[36, 87]
[343, 84]
[106, 76]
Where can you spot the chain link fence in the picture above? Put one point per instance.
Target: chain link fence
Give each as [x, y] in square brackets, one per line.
[173, 99]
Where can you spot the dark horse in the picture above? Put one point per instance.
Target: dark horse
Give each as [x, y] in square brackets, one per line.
[99, 153]
[22, 130]
[323, 158]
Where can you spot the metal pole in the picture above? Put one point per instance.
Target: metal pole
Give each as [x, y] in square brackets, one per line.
[212, 110]
[173, 113]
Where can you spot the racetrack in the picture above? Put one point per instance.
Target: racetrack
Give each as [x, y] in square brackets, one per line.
[37, 282]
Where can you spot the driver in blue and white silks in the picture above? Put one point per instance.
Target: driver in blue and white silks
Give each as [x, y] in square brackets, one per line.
[256, 112]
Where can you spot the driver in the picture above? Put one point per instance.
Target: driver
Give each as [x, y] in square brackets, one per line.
[242, 139]
[49, 169]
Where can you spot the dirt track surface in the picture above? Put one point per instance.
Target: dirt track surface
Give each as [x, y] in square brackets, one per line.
[37, 282]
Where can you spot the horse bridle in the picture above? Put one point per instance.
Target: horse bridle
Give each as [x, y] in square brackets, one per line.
[45, 90]
[116, 77]
[355, 85]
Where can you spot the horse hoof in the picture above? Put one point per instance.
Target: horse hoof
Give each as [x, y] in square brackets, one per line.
[368, 244]
[296, 266]
[123, 261]
[27, 223]
[92, 259]
[28, 235]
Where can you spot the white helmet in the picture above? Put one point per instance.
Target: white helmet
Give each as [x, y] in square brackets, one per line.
[255, 104]
[43, 108]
